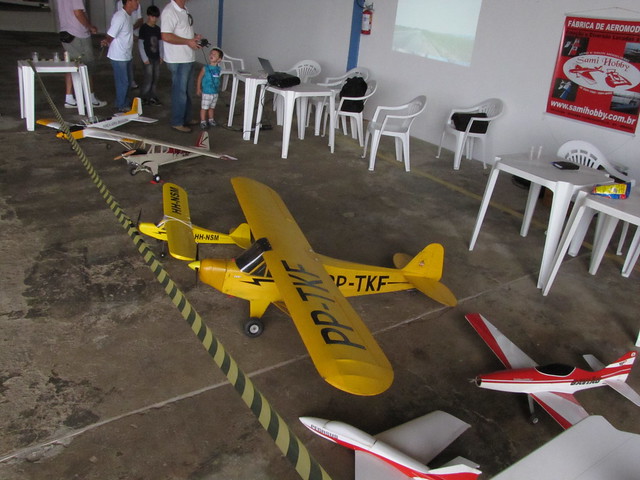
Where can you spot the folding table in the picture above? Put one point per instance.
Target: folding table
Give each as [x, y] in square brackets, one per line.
[302, 92]
[541, 173]
[26, 82]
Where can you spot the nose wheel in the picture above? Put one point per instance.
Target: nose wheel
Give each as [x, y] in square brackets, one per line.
[253, 327]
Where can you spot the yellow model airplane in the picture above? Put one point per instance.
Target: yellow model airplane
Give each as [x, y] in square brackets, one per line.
[176, 211]
[282, 268]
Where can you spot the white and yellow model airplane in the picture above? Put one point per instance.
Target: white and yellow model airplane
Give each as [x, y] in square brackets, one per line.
[282, 268]
[176, 209]
[85, 130]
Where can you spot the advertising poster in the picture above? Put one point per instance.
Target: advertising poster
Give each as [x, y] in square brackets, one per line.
[597, 74]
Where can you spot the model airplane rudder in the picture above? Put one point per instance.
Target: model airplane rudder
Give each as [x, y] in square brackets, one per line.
[424, 272]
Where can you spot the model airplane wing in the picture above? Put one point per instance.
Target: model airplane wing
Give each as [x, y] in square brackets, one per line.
[508, 353]
[178, 222]
[104, 134]
[563, 407]
[341, 347]
[425, 437]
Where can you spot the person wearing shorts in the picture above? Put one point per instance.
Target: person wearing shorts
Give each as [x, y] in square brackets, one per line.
[208, 85]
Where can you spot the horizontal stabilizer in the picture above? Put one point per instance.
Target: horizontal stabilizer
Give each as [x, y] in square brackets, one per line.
[508, 353]
[425, 437]
[433, 289]
[49, 122]
[625, 390]
[144, 119]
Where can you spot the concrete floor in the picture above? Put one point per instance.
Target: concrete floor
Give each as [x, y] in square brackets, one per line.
[101, 378]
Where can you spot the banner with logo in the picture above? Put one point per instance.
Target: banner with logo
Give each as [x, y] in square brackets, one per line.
[597, 74]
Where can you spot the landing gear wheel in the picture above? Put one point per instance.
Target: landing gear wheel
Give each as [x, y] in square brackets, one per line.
[133, 170]
[156, 178]
[533, 419]
[253, 327]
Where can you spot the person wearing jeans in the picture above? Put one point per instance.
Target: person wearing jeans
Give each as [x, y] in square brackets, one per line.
[180, 43]
[119, 38]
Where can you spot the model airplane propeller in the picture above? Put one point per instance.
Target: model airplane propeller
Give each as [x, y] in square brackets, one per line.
[402, 452]
[551, 386]
[282, 268]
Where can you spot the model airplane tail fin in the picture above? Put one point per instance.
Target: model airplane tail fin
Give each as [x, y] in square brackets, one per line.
[616, 373]
[136, 107]
[241, 235]
[203, 141]
[424, 272]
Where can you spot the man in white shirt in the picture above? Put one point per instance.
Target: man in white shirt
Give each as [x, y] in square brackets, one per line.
[180, 43]
[75, 35]
[120, 41]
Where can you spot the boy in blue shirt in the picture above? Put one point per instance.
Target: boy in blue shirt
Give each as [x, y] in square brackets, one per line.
[208, 84]
[150, 48]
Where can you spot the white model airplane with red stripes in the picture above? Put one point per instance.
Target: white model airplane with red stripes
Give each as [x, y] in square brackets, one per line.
[551, 386]
[402, 452]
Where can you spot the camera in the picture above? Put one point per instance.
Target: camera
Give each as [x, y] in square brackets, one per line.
[203, 42]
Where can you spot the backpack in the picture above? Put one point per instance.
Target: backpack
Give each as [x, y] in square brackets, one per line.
[353, 87]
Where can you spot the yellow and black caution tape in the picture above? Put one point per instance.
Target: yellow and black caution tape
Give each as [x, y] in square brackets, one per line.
[292, 448]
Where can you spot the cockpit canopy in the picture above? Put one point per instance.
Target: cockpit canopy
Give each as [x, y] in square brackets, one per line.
[556, 369]
[250, 261]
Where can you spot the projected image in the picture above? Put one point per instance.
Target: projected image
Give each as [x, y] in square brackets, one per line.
[436, 29]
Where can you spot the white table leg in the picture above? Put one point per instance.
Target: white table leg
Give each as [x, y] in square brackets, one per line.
[332, 122]
[78, 91]
[21, 87]
[28, 78]
[632, 255]
[561, 199]
[486, 198]
[601, 242]
[532, 199]
[289, 102]
[234, 95]
[569, 232]
[250, 87]
[86, 89]
[258, 115]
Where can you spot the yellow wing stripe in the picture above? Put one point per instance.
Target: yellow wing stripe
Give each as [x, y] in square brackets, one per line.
[341, 347]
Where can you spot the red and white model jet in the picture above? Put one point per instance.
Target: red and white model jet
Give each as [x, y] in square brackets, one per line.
[402, 452]
[552, 386]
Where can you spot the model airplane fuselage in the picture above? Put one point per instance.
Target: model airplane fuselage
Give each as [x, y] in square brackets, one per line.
[556, 377]
[435, 431]
[83, 131]
[551, 386]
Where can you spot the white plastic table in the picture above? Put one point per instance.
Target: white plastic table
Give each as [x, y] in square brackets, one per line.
[613, 210]
[303, 92]
[26, 83]
[563, 183]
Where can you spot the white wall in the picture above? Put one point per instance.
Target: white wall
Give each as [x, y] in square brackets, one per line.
[516, 47]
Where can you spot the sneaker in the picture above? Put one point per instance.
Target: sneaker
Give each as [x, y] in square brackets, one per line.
[212, 122]
[71, 104]
[181, 128]
[204, 126]
[98, 103]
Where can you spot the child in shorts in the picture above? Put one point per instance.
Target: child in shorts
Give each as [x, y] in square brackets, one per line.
[208, 85]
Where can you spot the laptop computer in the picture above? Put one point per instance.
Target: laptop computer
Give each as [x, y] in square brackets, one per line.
[266, 66]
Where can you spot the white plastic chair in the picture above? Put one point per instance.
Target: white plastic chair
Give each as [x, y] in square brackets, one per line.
[306, 70]
[229, 66]
[356, 118]
[318, 103]
[584, 153]
[395, 122]
[493, 108]
[627, 210]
